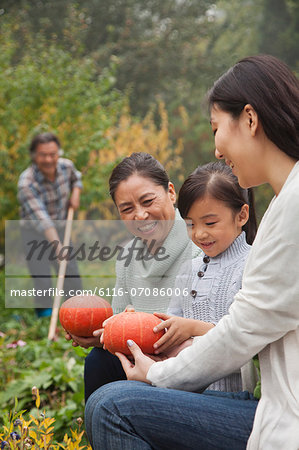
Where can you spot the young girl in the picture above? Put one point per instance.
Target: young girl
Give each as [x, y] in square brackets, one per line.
[221, 218]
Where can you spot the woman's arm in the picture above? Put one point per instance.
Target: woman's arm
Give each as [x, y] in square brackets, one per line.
[264, 310]
[142, 363]
[138, 370]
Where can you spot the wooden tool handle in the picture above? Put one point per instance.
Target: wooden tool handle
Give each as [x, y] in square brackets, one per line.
[61, 275]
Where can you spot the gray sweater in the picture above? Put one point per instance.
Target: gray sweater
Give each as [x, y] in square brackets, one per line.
[211, 285]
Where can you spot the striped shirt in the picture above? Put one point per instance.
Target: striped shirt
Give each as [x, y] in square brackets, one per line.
[43, 200]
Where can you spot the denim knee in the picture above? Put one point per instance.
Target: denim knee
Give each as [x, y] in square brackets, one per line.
[103, 399]
[107, 394]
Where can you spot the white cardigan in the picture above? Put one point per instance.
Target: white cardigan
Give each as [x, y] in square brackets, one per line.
[264, 319]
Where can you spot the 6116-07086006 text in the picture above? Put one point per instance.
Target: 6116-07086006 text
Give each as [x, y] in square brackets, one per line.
[103, 292]
[146, 292]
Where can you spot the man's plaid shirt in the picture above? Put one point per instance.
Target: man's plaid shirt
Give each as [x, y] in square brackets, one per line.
[43, 200]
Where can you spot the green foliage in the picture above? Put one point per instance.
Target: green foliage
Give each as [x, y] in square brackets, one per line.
[258, 388]
[27, 358]
[156, 43]
[53, 76]
[278, 31]
[49, 89]
[37, 431]
[169, 49]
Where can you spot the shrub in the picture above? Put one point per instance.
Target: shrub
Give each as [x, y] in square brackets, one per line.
[37, 432]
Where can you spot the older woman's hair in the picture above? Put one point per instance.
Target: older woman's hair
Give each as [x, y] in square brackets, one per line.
[142, 164]
[270, 87]
[217, 180]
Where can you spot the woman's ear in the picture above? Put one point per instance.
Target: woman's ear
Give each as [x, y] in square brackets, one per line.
[243, 215]
[171, 192]
[251, 118]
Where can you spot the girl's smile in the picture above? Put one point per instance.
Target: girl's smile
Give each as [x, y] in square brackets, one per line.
[206, 245]
[214, 225]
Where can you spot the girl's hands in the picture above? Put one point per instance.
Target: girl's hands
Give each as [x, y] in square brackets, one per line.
[138, 369]
[179, 330]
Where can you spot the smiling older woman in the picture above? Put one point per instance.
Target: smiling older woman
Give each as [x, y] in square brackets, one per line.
[145, 199]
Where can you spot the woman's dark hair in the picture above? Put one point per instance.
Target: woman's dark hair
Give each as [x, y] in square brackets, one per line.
[142, 164]
[269, 86]
[217, 180]
[43, 138]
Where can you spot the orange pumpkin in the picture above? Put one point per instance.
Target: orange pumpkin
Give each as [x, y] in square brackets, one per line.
[83, 314]
[137, 326]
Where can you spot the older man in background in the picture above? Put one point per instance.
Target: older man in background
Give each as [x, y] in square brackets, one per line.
[46, 189]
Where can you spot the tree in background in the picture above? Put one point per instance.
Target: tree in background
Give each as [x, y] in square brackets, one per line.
[278, 32]
[172, 49]
[47, 89]
[132, 135]
[157, 44]
[168, 51]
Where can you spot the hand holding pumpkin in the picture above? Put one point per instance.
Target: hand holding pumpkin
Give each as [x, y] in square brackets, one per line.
[85, 342]
[82, 318]
[179, 329]
[138, 369]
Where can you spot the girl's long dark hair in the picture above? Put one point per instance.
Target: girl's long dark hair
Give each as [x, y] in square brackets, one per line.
[217, 180]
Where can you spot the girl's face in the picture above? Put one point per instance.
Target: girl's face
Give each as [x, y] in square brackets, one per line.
[214, 225]
[146, 207]
[234, 141]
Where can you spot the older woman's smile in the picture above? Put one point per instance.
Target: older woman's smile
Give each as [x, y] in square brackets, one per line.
[147, 227]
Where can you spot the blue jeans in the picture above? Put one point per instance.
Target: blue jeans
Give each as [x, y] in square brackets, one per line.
[131, 415]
